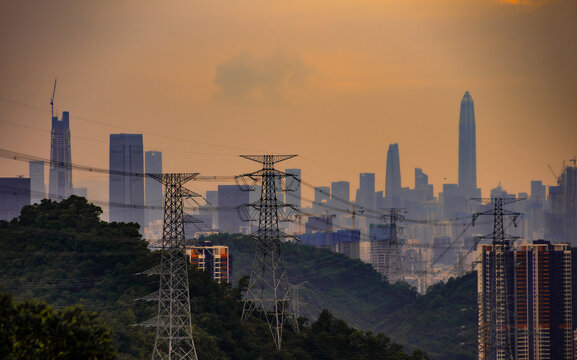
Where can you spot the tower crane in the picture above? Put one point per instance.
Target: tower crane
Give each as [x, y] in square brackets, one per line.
[52, 98]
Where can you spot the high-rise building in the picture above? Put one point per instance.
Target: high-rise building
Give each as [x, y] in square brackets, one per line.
[561, 221]
[37, 185]
[215, 259]
[153, 188]
[60, 174]
[81, 191]
[340, 194]
[322, 197]
[14, 194]
[231, 200]
[467, 148]
[393, 177]
[538, 192]
[366, 197]
[126, 186]
[535, 320]
[422, 184]
[379, 235]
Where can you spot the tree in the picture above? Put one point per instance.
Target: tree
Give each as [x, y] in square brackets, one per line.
[34, 330]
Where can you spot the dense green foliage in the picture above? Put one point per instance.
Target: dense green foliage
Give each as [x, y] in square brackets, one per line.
[63, 254]
[34, 330]
[442, 322]
[348, 288]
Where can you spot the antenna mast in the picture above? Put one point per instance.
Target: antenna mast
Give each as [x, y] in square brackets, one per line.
[52, 98]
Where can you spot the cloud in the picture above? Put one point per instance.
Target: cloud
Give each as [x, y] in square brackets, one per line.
[526, 2]
[249, 78]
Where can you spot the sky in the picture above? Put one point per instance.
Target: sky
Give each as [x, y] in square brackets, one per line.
[333, 81]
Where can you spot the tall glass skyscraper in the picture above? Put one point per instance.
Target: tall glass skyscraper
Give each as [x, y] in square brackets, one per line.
[153, 188]
[60, 175]
[467, 148]
[393, 176]
[126, 193]
[37, 187]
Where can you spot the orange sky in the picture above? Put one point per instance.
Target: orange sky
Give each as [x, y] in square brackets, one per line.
[335, 81]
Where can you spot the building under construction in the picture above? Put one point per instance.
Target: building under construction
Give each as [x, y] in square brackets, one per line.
[535, 321]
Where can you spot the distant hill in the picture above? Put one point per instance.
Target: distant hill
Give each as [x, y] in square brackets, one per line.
[443, 322]
[62, 253]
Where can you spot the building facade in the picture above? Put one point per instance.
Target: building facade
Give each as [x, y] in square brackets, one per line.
[14, 194]
[60, 174]
[126, 179]
[536, 317]
[37, 184]
[153, 188]
[468, 149]
[232, 202]
[215, 259]
[393, 176]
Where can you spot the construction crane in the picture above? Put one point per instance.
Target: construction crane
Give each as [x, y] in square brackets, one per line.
[52, 98]
[553, 172]
[354, 213]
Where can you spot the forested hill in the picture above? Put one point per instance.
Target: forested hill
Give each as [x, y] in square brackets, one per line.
[60, 252]
[442, 322]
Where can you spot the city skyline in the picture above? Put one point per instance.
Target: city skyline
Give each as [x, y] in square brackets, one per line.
[271, 93]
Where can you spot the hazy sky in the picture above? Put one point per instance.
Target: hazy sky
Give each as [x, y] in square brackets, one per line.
[334, 81]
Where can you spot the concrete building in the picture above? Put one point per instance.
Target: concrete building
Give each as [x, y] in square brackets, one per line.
[561, 219]
[126, 180]
[214, 259]
[231, 202]
[340, 194]
[537, 316]
[393, 185]
[153, 196]
[37, 183]
[14, 194]
[322, 197]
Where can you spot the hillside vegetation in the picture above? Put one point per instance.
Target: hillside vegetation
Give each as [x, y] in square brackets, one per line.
[61, 253]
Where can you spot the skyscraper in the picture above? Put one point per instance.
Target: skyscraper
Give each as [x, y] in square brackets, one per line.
[340, 194]
[60, 178]
[537, 315]
[231, 199]
[153, 188]
[322, 196]
[561, 223]
[37, 187]
[467, 148]
[14, 195]
[393, 176]
[126, 192]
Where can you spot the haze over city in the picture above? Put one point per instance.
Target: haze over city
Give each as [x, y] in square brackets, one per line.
[334, 82]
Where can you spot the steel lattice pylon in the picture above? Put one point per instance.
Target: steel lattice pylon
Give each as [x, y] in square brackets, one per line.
[269, 290]
[174, 339]
[494, 329]
[393, 262]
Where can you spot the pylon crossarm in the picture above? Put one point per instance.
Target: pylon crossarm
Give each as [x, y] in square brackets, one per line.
[268, 159]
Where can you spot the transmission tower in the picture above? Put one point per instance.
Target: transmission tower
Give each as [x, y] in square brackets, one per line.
[495, 334]
[269, 290]
[393, 262]
[173, 324]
